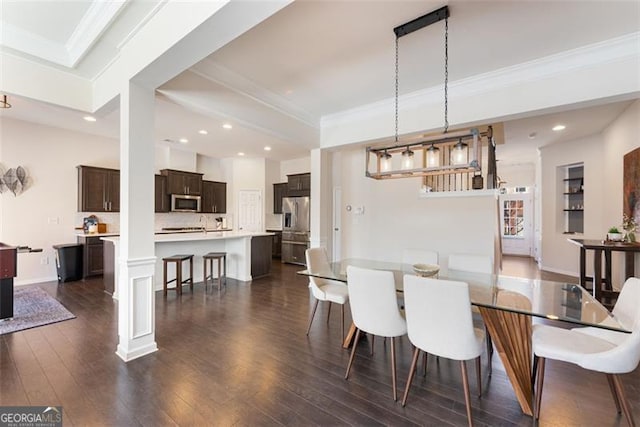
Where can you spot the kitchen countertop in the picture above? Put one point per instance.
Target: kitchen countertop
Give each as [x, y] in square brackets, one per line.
[209, 230]
[184, 237]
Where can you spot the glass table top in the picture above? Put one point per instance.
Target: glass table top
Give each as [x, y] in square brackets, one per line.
[539, 298]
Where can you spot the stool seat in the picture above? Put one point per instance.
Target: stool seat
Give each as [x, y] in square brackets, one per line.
[221, 259]
[177, 260]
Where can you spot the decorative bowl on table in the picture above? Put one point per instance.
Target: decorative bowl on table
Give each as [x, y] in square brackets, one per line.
[426, 270]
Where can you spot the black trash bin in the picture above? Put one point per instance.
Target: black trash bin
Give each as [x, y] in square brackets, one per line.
[69, 262]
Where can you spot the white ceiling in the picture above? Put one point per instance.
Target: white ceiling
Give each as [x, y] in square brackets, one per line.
[313, 58]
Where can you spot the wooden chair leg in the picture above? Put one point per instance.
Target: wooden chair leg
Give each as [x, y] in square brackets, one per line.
[373, 338]
[329, 311]
[424, 364]
[540, 383]
[393, 369]
[617, 381]
[614, 393]
[179, 277]
[342, 323]
[353, 352]
[313, 313]
[412, 370]
[467, 395]
[479, 376]
[489, 350]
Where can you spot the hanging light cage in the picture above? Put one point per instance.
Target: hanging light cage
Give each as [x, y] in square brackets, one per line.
[443, 146]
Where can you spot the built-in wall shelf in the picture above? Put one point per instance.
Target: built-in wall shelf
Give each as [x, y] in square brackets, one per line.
[572, 197]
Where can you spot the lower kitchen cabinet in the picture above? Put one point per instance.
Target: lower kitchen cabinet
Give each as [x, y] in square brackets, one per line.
[261, 256]
[93, 256]
[276, 249]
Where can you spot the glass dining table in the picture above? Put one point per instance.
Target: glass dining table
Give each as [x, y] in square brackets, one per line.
[507, 305]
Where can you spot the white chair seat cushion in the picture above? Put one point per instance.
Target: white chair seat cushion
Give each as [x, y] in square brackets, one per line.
[335, 292]
[613, 337]
[569, 346]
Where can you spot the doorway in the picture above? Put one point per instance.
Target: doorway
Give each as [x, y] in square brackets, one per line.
[250, 210]
[516, 218]
[336, 253]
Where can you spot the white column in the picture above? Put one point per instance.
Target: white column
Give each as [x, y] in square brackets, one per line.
[136, 303]
[321, 199]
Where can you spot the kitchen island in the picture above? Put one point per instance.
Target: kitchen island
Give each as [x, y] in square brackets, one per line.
[246, 254]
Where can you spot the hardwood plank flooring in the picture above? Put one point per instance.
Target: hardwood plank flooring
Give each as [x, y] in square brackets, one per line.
[242, 358]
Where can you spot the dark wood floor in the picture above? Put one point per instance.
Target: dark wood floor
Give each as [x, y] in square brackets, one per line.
[242, 358]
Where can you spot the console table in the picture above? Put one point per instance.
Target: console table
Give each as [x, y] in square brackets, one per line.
[598, 247]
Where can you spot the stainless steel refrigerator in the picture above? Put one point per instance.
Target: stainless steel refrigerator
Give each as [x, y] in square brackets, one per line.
[295, 229]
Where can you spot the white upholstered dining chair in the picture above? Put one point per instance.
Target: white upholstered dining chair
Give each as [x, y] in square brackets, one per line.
[374, 310]
[328, 290]
[439, 322]
[610, 352]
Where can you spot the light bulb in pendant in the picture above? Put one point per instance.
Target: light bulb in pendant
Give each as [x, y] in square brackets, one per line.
[460, 153]
[407, 159]
[385, 162]
[433, 157]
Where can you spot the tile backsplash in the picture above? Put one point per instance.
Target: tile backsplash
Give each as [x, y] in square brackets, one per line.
[175, 219]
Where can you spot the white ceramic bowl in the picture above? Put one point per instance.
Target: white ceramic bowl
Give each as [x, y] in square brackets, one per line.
[426, 270]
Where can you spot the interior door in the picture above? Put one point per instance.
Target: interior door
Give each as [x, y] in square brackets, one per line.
[516, 219]
[250, 210]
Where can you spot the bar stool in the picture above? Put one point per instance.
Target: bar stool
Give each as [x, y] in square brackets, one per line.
[178, 260]
[221, 258]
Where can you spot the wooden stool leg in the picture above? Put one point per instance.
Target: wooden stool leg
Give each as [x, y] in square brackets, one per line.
[224, 259]
[219, 274]
[179, 277]
[191, 273]
[164, 277]
[204, 273]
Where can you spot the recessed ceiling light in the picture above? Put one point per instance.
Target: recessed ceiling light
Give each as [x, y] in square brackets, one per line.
[183, 140]
[240, 153]
[227, 126]
[267, 148]
[89, 118]
[559, 128]
[203, 132]
[532, 135]
[288, 92]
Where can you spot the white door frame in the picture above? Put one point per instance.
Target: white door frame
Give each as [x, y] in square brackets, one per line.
[514, 245]
[242, 196]
[336, 241]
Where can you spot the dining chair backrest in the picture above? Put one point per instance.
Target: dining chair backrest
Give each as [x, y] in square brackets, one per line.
[317, 262]
[438, 314]
[419, 256]
[627, 308]
[471, 263]
[374, 307]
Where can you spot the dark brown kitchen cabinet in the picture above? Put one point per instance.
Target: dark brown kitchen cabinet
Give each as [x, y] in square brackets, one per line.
[260, 256]
[98, 189]
[214, 197]
[181, 182]
[299, 185]
[93, 256]
[279, 191]
[161, 197]
[276, 247]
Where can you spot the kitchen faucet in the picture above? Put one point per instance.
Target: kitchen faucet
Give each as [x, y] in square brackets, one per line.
[204, 229]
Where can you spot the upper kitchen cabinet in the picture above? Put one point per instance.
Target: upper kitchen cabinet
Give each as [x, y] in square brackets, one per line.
[98, 189]
[299, 185]
[280, 190]
[161, 196]
[214, 197]
[180, 182]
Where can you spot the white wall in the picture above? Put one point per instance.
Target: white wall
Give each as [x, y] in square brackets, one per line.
[291, 167]
[603, 167]
[272, 170]
[521, 175]
[621, 137]
[45, 214]
[396, 218]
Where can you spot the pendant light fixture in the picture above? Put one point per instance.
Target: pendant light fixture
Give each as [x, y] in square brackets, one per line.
[433, 156]
[460, 153]
[385, 161]
[407, 159]
[4, 103]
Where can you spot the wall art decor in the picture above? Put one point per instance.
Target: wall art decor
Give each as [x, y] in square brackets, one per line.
[14, 180]
[631, 185]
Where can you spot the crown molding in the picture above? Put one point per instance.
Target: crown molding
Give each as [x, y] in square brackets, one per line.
[159, 5]
[92, 25]
[213, 71]
[605, 52]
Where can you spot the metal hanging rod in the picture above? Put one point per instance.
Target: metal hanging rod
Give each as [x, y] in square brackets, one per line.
[421, 22]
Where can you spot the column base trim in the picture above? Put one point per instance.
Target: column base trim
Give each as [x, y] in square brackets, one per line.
[128, 356]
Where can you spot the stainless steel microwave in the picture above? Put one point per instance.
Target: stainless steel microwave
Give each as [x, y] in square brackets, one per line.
[185, 203]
